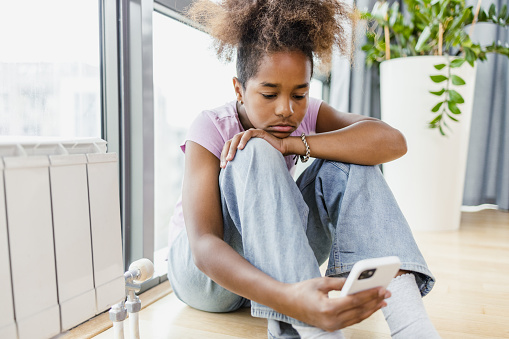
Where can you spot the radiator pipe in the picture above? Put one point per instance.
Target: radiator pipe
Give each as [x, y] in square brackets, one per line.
[139, 271]
[118, 313]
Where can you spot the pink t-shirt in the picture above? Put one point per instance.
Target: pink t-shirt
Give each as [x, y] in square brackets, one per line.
[213, 128]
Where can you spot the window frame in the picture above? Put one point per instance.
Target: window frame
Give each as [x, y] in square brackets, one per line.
[127, 101]
[136, 128]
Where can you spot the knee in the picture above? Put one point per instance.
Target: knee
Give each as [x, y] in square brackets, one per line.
[334, 177]
[367, 173]
[215, 300]
[330, 172]
[257, 158]
[353, 169]
[259, 149]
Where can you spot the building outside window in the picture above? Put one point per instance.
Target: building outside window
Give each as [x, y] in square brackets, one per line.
[50, 69]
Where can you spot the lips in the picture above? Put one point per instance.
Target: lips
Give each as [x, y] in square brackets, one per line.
[282, 128]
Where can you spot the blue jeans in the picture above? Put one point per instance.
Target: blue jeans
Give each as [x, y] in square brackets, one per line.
[287, 229]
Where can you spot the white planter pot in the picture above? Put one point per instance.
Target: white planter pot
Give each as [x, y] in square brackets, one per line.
[428, 181]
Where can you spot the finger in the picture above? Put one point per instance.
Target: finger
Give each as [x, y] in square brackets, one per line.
[355, 316]
[368, 298]
[334, 283]
[245, 138]
[233, 146]
[342, 318]
[331, 284]
[374, 303]
[224, 152]
[375, 295]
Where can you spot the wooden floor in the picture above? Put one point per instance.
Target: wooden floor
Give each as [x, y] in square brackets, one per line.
[470, 298]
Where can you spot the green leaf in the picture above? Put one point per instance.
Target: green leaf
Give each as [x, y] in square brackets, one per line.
[470, 56]
[424, 20]
[445, 7]
[482, 16]
[437, 107]
[457, 63]
[441, 130]
[459, 20]
[439, 93]
[455, 37]
[423, 38]
[492, 11]
[434, 9]
[467, 42]
[434, 122]
[453, 108]
[438, 78]
[456, 97]
[452, 118]
[456, 80]
[498, 49]
[440, 66]
[476, 48]
[502, 13]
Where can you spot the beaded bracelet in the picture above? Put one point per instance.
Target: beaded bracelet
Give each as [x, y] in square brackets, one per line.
[303, 158]
[308, 152]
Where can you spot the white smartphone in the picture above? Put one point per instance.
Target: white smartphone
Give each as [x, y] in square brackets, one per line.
[370, 273]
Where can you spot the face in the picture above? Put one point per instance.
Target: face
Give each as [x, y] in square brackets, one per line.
[276, 98]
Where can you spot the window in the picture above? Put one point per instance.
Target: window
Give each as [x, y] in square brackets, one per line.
[188, 78]
[50, 69]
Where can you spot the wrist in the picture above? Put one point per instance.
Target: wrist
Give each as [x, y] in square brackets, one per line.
[283, 300]
[289, 301]
[294, 145]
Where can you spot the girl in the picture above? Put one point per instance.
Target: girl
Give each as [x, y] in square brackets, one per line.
[255, 237]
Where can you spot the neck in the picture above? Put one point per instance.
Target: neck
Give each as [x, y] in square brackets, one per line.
[244, 121]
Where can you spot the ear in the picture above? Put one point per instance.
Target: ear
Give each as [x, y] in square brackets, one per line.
[239, 90]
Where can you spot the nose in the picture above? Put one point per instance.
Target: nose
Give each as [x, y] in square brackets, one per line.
[284, 108]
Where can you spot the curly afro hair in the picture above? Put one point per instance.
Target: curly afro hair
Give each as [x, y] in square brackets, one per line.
[254, 28]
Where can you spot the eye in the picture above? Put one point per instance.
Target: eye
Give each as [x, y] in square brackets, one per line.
[299, 97]
[269, 96]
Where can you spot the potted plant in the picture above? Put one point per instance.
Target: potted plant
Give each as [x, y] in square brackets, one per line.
[427, 65]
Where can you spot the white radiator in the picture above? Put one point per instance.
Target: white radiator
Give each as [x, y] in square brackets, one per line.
[60, 235]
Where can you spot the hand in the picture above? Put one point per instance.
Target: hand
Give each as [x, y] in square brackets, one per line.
[240, 140]
[309, 302]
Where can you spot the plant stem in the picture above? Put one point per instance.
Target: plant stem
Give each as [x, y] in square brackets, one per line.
[440, 38]
[387, 40]
[475, 16]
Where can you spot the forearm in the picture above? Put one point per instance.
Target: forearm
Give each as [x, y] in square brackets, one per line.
[226, 267]
[367, 142]
[306, 301]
